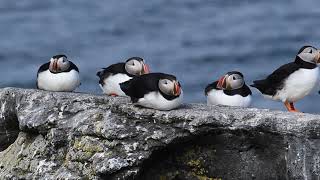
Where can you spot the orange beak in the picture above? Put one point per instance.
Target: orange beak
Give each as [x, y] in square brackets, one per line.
[54, 67]
[146, 69]
[177, 89]
[222, 83]
[318, 58]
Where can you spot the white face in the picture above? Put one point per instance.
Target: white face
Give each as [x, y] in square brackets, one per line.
[63, 63]
[169, 87]
[230, 82]
[59, 65]
[310, 54]
[135, 67]
[234, 81]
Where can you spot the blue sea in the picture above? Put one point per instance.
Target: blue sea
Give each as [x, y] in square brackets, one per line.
[198, 41]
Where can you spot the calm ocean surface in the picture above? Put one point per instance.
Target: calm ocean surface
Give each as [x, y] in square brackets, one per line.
[198, 41]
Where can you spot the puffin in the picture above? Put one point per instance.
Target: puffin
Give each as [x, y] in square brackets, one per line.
[154, 90]
[113, 75]
[293, 81]
[59, 74]
[229, 90]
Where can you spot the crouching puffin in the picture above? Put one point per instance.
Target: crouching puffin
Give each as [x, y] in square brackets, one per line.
[292, 81]
[229, 90]
[155, 90]
[59, 74]
[112, 76]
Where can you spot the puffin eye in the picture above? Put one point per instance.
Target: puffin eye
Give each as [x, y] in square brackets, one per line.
[64, 59]
[310, 51]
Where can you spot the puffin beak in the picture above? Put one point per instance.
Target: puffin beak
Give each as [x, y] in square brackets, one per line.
[146, 69]
[222, 83]
[176, 89]
[317, 58]
[54, 67]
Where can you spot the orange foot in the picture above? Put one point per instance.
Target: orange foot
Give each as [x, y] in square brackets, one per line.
[290, 107]
[113, 94]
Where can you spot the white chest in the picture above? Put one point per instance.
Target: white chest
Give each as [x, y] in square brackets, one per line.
[66, 81]
[298, 85]
[155, 100]
[112, 84]
[217, 97]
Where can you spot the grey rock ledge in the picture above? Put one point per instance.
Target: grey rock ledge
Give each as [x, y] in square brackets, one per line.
[47, 135]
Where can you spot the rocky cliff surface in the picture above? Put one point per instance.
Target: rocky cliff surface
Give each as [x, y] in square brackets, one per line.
[47, 135]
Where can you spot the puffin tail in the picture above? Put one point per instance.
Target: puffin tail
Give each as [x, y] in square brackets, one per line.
[259, 84]
[99, 73]
[102, 75]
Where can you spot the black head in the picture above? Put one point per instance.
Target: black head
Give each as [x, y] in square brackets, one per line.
[59, 56]
[59, 63]
[235, 72]
[231, 80]
[309, 54]
[135, 58]
[136, 66]
[169, 85]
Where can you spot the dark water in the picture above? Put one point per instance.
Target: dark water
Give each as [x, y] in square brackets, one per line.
[196, 40]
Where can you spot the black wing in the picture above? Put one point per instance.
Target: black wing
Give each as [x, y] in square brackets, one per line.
[274, 81]
[210, 87]
[72, 67]
[244, 91]
[43, 68]
[110, 70]
[138, 86]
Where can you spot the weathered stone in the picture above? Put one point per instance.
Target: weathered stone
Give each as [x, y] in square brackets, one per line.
[8, 120]
[47, 135]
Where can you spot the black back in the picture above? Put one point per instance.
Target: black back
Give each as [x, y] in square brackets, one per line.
[244, 91]
[274, 81]
[139, 86]
[45, 67]
[113, 69]
[118, 68]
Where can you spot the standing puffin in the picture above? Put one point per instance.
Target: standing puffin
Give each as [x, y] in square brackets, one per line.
[59, 74]
[292, 81]
[230, 90]
[155, 90]
[112, 76]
